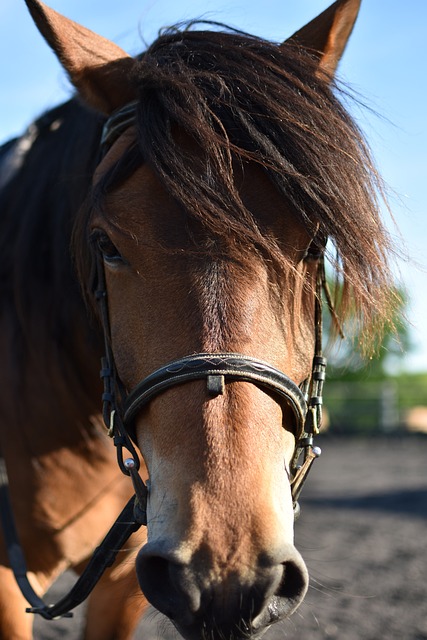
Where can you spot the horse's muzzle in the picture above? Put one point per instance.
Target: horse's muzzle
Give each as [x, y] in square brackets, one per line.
[206, 608]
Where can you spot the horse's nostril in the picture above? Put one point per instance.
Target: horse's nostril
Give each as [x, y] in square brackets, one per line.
[167, 586]
[155, 582]
[294, 582]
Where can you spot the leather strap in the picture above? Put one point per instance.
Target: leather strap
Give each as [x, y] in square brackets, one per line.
[117, 123]
[102, 558]
[13, 547]
[218, 369]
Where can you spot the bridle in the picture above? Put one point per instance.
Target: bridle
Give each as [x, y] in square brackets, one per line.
[121, 408]
[217, 370]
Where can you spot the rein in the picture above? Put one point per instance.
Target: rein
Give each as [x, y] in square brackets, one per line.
[120, 410]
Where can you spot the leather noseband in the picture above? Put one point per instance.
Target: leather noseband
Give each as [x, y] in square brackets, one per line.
[218, 369]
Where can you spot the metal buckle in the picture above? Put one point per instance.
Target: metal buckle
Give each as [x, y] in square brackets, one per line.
[310, 455]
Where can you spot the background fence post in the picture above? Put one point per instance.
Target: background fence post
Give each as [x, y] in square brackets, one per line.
[389, 406]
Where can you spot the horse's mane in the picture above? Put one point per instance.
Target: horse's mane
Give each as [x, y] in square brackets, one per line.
[46, 175]
[240, 97]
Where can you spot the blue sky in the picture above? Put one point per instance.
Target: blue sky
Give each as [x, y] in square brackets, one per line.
[384, 62]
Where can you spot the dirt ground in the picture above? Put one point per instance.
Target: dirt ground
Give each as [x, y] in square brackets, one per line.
[363, 534]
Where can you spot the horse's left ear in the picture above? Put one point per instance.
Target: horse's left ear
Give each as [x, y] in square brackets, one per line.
[98, 68]
[327, 35]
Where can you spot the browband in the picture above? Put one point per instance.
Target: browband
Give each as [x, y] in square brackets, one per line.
[116, 124]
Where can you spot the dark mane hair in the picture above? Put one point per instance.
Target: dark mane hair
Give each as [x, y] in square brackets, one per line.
[242, 98]
[45, 177]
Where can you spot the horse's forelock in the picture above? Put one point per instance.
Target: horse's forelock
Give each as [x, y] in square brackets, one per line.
[244, 99]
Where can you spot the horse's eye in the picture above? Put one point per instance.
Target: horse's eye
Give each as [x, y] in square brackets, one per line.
[107, 248]
[317, 248]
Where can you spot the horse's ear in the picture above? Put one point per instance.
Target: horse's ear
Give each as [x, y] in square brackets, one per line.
[327, 35]
[98, 68]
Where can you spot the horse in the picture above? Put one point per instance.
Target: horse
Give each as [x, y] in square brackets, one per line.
[175, 215]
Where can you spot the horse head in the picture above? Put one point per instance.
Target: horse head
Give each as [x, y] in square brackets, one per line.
[208, 248]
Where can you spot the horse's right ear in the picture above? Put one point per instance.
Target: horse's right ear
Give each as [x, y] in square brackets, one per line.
[98, 68]
[327, 35]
